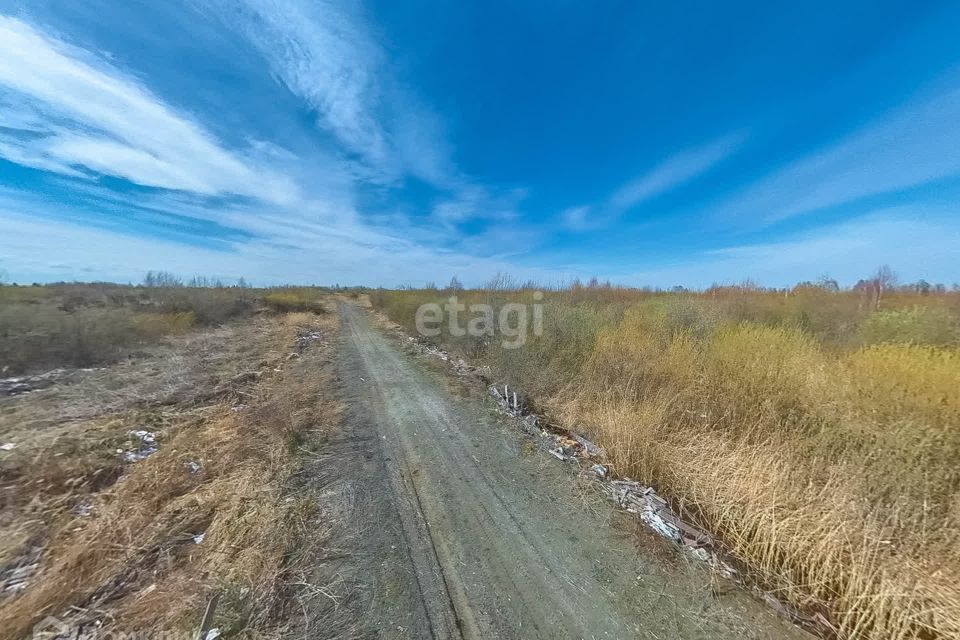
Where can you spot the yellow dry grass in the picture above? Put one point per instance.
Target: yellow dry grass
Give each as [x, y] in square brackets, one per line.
[818, 439]
[832, 475]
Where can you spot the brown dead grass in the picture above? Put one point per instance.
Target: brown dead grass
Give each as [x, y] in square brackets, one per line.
[132, 564]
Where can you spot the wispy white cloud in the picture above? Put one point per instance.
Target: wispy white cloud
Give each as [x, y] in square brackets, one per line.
[674, 171]
[665, 176]
[473, 202]
[925, 246]
[45, 248]
[913, 145]
[326, 53]
[65, 110]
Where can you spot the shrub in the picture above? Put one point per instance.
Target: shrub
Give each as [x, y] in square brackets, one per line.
[918, 325]
[288, 301]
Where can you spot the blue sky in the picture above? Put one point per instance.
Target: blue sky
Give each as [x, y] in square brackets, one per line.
[403, 142]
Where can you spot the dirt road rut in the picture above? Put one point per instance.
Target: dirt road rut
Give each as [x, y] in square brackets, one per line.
[468, 533]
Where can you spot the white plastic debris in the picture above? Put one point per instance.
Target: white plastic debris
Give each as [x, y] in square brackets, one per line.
[193, 467]
[144, 436]
[213, 634]
[562, 453]
[8, 446]
[137, 456]
[198, 539]
[656, 522]
[699, 553]
[599, 470]
[145, 449]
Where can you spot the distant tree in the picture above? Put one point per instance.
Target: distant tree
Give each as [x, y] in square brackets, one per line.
[828, 284]
[883, 279]
[161, 279]
[501, 282]
[530, 284]
[594, 283]
[455, 286]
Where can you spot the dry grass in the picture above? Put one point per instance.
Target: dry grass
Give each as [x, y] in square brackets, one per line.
[295, 299]
[816, 436]
[224, 469]
[80, 325]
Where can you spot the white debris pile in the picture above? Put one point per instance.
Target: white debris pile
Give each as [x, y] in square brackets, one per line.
[142, 445]
[306, 337]
[565, 445]
[656, 513]
[15, 577]
[427, 349]
[629, 495]
[460, 366]
[25, 384]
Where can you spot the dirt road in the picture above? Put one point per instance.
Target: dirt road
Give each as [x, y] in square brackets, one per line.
[462, 530]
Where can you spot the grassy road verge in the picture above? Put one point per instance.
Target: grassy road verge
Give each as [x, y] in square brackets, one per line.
[811, 431]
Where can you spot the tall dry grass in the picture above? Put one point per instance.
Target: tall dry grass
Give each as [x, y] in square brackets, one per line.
[133, 562]
[817, 437]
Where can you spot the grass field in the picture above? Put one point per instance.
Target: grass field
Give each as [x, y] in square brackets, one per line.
[137, 533]
[83, 325]
[817, 432]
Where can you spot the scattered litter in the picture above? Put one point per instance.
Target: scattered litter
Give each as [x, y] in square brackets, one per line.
[459, 365]
[7, 446]
[141, 446]
[306, 337]
[25, 384]
[14, 388]
[193, 467]
[239, 407]
[213, 634]
[293, 356]
[15, 578]
[590, 449]
[137, 456]
[144, 436]
[599, 470]
[198, 539]
[83, 509]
